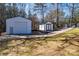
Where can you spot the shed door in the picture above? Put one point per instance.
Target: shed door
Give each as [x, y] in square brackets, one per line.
[11, 30]
[48, 27]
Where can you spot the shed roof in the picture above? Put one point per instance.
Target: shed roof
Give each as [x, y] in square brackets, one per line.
[18, 19]
[46, 23]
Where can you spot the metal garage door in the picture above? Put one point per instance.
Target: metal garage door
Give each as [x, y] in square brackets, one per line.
[20, 28]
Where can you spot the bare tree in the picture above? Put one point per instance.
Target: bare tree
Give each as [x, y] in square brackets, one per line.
[40, 7]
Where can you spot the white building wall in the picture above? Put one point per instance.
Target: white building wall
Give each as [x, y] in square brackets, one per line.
[44, 27]
[29, 27]
[8, 25]
[41, 27]
[51, 26]
[20, 26]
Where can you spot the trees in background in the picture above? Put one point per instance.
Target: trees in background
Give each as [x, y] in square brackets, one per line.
[72, 18]
[73, 10]
[42, 8]
[2, 16]
[9, 10]
[14, 10]
[76, 14]
[35, 22]
[22, 11]
[55, 15]
[52, 17]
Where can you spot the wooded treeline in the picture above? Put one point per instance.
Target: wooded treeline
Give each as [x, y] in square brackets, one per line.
[57, 13]
[9, 10]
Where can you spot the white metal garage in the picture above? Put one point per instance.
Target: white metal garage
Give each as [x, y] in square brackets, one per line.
[18, 25]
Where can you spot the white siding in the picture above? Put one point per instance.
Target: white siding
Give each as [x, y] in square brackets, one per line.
[29, 27]
[19, 25]
[41, 27]
[45, 27]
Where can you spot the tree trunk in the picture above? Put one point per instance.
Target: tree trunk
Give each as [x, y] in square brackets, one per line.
[57, 16]
[75, 22]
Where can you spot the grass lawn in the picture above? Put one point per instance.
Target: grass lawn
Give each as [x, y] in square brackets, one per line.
[49, 46]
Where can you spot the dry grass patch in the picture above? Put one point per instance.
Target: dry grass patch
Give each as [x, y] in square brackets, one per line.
[49, 46]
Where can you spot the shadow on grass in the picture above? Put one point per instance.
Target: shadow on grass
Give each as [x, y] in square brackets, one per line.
[70, 40]
[30, 43]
